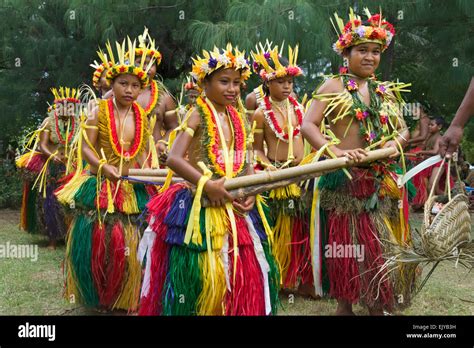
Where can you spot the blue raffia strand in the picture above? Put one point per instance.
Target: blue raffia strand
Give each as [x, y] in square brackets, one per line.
[177, 217]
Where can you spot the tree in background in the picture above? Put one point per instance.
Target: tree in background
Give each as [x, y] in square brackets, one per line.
[51, 43]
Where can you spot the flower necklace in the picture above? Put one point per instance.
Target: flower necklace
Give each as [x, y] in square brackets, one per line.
[273, 122]
[59, 133]
[154, 92]
[373, 118]
[115, 141]
[215, 143]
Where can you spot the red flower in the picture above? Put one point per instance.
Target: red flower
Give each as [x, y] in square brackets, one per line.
[389, 27]
[348, 27]
[140, 74]
[122, 69]
[375, 19]
[383, 119]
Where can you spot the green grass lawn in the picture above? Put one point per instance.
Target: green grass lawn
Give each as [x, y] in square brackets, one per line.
[35, 288]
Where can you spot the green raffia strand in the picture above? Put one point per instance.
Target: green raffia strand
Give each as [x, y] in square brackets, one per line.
[324, 240]
[332, 181]
[85, 197]
[142, 196]
[202, 229]
[184, 282]
[32, 211]
[81, 254]
[273, 278]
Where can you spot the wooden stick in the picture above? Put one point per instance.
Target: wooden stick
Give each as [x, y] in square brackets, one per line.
[312, 168]
[156, 179]
[266, 177]
[329, 166]
[148, 172]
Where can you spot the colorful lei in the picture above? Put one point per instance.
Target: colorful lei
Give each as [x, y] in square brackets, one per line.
[154, 94]
[273, 122]
[113, 136]
[215, 159]
[58, 132]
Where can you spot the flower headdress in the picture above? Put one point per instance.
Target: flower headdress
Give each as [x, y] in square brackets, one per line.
[124, 62]
[375, 29]
[228, 58]
[147, 44]
[66, 94]
[99, 69]
[262, 56]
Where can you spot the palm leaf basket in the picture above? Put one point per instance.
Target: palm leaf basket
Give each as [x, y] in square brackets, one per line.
[444, 237]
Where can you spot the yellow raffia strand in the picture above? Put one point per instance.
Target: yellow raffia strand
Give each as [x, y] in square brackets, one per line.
[211, 298]
[33, 136]
[67, 193]
[129, 298]
[342, 100]
[212, 261]
[130, 205]
[312, 221]
[151, 144]
[23, 160]
[282, 245]
[193, 228]
[71, 292]
[325, 148]
[218, 225]
[110, 202]
[260, 202]
[229, 173]
[42, 177]
[282, 193]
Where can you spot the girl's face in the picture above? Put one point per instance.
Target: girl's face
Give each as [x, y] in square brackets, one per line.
[434, 127]
[281, 88]
[364, 59]
[126, 88]
[223, 86]
[152, 71]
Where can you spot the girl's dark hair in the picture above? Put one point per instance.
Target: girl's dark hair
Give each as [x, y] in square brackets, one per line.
[440, 122]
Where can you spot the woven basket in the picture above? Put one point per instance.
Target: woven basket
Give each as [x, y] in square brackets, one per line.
[451, 227]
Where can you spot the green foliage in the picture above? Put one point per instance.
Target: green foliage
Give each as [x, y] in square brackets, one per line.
[11, 186]
[51, 43]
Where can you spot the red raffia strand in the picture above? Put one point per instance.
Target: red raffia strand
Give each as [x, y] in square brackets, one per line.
[137, 140]
[343, 271]
[158, 208]
[115, 267]
[58, 132]
[247, 295]
[373, 262]
[273, 122]
[98, 259]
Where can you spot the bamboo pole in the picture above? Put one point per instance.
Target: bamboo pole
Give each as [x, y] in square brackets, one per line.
[312, 168]
[148, 172]
[156, 179]
[265, 178]
[309, 171]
